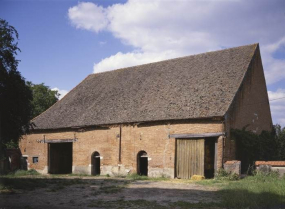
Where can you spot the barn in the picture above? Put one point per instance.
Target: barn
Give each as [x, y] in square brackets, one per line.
[170, 118]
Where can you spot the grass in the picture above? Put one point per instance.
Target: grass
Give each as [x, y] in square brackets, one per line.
[138, 177]
[259, 191]
[19, 173]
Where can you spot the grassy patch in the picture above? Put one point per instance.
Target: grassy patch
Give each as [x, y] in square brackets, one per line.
[138, 177]
[259, 191]
[212, 182]
[19, 173]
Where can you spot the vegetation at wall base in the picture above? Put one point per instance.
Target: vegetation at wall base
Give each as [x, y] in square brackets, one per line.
[251, 147]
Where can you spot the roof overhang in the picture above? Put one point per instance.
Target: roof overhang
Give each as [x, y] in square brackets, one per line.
[196, 135]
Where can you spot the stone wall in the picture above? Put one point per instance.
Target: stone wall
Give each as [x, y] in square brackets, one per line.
[152, 138]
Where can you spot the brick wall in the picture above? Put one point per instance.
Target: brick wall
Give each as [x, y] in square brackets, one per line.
[152, 138]
[250, 107]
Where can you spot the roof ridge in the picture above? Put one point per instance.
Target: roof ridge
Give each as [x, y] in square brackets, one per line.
[172, 59]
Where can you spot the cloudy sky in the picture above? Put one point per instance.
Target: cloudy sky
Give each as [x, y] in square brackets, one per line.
[64, 41]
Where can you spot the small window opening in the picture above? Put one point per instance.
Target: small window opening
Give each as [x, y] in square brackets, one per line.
[35, 159]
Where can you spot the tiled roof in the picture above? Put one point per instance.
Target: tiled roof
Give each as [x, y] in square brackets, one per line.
[197, 86]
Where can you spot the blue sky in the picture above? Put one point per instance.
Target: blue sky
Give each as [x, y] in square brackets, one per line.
[64, 41]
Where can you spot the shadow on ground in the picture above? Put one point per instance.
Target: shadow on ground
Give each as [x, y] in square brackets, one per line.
[97, 192]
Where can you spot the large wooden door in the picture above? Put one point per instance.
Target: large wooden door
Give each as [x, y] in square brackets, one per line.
[189, 157]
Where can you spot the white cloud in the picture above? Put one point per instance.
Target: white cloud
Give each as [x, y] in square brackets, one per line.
[121, 60]
[88, 16]
[277, 105]
[275, 68]
[184, 27]
[61, 92]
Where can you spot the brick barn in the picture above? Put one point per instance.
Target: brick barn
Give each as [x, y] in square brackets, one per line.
[170, 118]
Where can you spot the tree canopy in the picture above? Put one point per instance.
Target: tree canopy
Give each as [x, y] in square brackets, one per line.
[43, 98]
[15, 95]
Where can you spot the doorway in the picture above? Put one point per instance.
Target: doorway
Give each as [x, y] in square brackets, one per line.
[195, 157]
[142, 163]
[209, 157]
[95, 162]
[60, 158]
[189, 159]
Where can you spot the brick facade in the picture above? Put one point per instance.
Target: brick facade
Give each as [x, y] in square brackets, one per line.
[250, 106]
[152, 138]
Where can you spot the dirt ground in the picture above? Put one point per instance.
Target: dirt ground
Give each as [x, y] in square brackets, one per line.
[103, 192]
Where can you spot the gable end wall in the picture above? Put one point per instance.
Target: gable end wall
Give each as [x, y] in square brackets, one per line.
[250, 106]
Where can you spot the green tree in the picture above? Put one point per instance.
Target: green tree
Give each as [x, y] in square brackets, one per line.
[43, 98]
[280, 138]
[15, 95]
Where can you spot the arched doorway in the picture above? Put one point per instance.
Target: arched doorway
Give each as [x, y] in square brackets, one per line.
[142, 163]
[95, 162]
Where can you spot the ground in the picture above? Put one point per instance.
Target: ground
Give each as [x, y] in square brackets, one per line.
[69, 191]
[104, 192]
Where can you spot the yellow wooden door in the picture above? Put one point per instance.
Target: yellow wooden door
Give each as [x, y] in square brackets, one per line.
[189, 157]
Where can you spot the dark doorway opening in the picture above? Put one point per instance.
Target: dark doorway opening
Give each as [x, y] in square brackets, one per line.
[142, 163]
[60, 158]
[24, 163]
[209, 157]
[95, 162]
